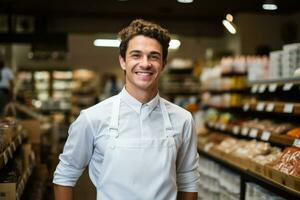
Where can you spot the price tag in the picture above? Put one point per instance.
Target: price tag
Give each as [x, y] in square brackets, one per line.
[262, 88]
[272, 87]
[223, 127]
[236, 130]
[245, 131]
[260, 106]
[270, 107]
[253, 133]
[288, 108]
[254, 88]
[287, 86]
[265, 136]
[208, 146]
[246, 107]
[5, 158]
[296, 143]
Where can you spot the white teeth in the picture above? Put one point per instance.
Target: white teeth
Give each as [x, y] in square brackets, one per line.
[144, 73]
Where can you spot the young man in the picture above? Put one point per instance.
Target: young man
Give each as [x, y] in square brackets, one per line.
[137, 145]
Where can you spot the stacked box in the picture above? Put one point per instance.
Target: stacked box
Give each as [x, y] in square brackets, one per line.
[290, 59]
[275, 71]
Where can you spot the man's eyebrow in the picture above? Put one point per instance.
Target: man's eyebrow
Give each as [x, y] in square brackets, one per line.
[134, 51]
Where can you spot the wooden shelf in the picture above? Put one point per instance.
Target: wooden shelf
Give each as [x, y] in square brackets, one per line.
[9, 151]
[249, 175]
[273, 107]
[278, 85]
[254, 133]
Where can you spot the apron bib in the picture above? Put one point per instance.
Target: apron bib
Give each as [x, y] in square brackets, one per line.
[139, 169]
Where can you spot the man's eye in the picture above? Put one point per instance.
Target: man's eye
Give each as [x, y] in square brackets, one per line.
[135, 55]
[154, 57]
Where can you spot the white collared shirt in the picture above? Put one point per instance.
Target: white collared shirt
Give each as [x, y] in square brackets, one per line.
[88, 137]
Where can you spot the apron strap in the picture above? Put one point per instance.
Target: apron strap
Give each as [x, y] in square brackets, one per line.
[114, 122]
[167, 121]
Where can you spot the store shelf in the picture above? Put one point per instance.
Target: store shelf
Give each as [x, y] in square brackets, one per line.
[275, 85]
[220, 91]
[22, 184]
[249, 176]
[273, 107]
[254, 133]
[9, 151]
[224, 107]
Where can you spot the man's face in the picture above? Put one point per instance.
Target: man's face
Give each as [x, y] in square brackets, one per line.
[143, 64]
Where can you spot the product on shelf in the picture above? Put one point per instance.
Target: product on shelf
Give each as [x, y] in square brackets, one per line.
[295, 132]
[289, 161]
[255, 192]
[217, 183]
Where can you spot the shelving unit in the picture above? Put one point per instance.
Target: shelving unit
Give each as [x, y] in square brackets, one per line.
[9, 151]
[276, 100]
[181, 87]
[84, 92]
[250, 176]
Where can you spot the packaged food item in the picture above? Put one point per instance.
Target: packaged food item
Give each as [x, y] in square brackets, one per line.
[294, 132]
[289, 161]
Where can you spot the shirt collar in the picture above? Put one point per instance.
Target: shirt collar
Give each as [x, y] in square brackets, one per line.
[135, 104]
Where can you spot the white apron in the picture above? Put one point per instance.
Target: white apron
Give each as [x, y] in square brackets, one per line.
[139, 169]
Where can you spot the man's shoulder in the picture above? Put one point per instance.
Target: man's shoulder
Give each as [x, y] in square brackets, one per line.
[176, 110]
[101, 107]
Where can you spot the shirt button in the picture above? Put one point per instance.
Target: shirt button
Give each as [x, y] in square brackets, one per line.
[112, 146]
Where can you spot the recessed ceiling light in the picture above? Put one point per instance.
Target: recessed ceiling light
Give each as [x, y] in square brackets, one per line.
[229, 26]
[229, 17]
[174, 43]
[269, 5]
[185, 1]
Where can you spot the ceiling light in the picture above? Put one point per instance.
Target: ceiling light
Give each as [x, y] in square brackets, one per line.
[174, 44]
[229, 17]
[229, 26]
[185, 1]
[269, 5]
[107, 43]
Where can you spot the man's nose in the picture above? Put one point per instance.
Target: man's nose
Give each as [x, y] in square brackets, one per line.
[145, 61]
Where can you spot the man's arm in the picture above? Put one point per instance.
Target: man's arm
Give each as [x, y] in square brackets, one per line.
[63, 192]
[187, 196]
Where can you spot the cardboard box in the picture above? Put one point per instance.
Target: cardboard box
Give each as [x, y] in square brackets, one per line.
[275, 175]
[257, 168]
[8, 191]
[293, 182]
[33, 130]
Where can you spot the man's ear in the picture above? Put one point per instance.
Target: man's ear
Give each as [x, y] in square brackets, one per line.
[164, 64]
[122, 62]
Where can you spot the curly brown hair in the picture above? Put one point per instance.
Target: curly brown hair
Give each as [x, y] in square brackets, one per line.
[146, 28]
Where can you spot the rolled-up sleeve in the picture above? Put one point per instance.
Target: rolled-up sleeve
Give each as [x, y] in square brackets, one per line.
[187, 160]
[77, 152]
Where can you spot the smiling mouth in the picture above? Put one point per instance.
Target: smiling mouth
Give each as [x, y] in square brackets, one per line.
[144, 73]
